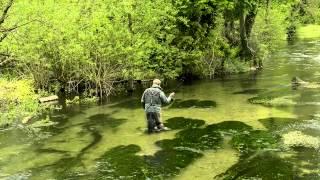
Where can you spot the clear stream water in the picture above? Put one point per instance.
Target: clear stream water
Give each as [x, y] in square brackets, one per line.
[218, 132]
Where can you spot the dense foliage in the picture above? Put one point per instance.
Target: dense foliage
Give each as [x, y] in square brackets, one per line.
[17, 100]
[88, 46]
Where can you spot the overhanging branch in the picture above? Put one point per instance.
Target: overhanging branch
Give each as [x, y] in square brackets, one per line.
[5, 11]
[5, 30]
[3, 36]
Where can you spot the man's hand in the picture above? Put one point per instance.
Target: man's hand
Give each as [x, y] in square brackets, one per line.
[172, 94]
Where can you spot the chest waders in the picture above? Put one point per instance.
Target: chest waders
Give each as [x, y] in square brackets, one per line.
[153, 118]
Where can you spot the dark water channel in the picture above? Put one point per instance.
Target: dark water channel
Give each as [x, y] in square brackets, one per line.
[248, 126]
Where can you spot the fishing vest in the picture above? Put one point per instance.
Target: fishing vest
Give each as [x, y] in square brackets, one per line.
[152, 99]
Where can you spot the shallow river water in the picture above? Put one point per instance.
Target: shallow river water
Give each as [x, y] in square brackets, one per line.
[248, 126]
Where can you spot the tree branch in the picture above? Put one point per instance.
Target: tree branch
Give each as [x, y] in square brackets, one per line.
[3, 36]
[5, 11]
[4, 30]
[5, 61]
[5, 58]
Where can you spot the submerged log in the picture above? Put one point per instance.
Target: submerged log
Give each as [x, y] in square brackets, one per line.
[26, 119]
[296, 82]
[48, 99]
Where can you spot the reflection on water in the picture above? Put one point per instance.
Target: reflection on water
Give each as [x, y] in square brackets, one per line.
[221, 129]
[193, 103]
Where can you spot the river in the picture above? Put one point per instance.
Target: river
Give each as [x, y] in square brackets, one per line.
[248, 126]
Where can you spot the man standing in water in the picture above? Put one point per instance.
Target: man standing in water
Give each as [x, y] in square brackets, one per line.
[152, 99]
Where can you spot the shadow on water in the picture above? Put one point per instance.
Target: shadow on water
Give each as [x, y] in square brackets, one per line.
[195, 139]
[261, 157]
[95, 126]
[104, 121]
[193, 103]
[133, 103]
[182, 123]
[262, 165]
[230, 126]
[269, 165]
[283, 125]
[250, 91]
[122, 163]
[175, 155]
[98, 121]
[310, 160]
[72, 166]
[284, 101]
[187, 146]
[258, 159]
[276, 124]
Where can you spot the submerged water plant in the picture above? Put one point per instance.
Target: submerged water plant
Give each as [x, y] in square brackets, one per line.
[274, 101]
[299, 139]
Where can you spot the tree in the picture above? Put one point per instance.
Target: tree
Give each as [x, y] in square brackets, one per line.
[8, 27]
[4, 31]
[88, 46]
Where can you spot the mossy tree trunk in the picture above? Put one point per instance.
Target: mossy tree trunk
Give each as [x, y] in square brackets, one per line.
[246, 23]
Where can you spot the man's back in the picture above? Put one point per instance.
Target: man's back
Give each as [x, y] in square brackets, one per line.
[153, 98]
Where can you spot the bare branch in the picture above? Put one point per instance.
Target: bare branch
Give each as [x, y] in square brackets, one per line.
[5, 61]
[6, 58]
[3, 36]
[4, 54]
[3, 30]
[5, 11]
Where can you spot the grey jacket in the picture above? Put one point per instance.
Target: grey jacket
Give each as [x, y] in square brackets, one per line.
[153, 98]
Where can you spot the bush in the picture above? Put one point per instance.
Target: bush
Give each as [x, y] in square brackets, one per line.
[18, 100]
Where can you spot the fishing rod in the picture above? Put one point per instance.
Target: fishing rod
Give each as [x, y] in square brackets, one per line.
[181, 81]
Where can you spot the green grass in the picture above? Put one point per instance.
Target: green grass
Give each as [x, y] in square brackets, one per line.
[310, 31]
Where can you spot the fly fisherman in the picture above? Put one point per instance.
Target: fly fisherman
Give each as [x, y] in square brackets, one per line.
[151, 100]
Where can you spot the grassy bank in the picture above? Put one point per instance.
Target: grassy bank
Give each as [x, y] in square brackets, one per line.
[18, 101]
[310, 31]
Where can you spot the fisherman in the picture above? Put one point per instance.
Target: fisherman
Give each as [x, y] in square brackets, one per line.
[151, 100]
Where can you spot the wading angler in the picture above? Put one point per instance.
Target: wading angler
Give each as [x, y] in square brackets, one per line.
[151, 100]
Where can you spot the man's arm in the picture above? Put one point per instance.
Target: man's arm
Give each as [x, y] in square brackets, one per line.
[142, 100]
[165, 99]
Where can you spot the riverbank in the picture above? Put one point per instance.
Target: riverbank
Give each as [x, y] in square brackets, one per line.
[19, 100]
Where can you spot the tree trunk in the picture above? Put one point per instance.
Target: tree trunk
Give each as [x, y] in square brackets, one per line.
[130, 87]
[249, 22]
[243, 36]
[229, 28]
[130, 23]
[246, 24]
[267, 11]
